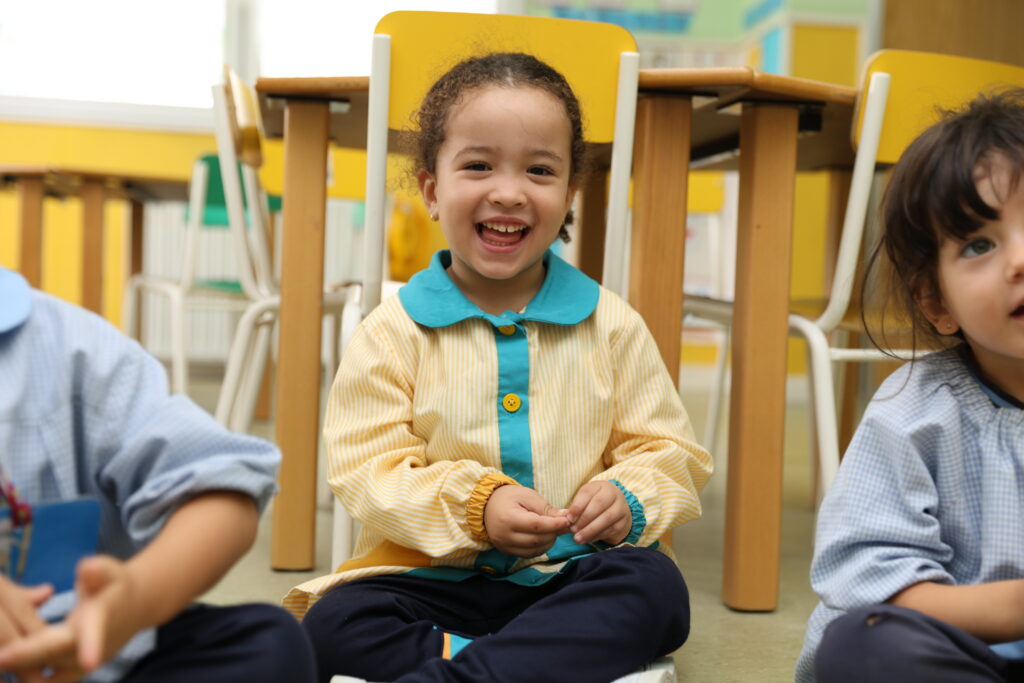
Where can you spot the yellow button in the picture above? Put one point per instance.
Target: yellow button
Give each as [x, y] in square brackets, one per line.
[511, 402]
[488, 569]
[507, 330]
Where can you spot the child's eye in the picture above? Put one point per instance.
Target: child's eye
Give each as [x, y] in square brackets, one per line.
[540, 170]
[477, 166]
[977, 247]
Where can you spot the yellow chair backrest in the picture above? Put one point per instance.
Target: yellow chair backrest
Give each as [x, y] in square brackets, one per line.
[586, 53]
[921, 83]
[244, 116]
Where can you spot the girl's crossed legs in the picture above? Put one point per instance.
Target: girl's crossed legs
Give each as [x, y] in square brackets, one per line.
[606, 615]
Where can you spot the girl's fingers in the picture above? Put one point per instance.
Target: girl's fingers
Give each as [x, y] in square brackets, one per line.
[603, 525]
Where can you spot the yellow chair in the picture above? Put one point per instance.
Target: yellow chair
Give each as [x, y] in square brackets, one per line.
[900, 93]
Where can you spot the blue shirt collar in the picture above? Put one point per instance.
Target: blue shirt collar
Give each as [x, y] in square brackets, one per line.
[566, 297]
[15, 300]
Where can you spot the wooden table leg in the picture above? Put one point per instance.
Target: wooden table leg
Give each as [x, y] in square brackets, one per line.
[293, 542]
[660, 172]
[92, 244]
[30, 228]
[758, 402]
[135, 257]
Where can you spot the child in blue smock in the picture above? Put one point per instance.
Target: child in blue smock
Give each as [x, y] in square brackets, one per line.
[85, 417]
[919, 553]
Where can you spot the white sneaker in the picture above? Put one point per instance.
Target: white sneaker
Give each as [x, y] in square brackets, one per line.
[661, 670]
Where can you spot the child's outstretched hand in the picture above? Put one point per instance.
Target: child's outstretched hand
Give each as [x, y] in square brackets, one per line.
[599, 512]
[19, 618]
[521, 523]
[98, 626]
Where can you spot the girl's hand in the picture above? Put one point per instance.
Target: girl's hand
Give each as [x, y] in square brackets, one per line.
[599, 512]
[19, 618]
[521, 523]
[99, 625]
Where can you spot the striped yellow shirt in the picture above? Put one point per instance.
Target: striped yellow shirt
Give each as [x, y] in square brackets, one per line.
[436, 401]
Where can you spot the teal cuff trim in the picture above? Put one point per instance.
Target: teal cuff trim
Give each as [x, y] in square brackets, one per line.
[16, 298]
[443, 573]
[567, 297]
[637, 510]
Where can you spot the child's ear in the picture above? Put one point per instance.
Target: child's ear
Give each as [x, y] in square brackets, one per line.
[428, 190]
[935, 311]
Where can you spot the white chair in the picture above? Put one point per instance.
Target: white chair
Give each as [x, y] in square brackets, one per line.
[239, 135]
[900, 92]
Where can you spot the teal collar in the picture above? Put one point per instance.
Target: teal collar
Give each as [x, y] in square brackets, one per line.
[566, 297]
[15, 300]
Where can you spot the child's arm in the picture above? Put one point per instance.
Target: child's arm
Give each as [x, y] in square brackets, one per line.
[379, 467]
[993, 611]
[116, 599]
[655, 462]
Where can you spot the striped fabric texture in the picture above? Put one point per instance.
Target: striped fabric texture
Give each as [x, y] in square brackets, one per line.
[419, 416]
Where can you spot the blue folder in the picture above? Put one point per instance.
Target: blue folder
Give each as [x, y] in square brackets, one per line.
[59, 536]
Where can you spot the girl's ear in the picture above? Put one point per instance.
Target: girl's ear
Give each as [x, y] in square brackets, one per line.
[570, 196]
[936, 312]
[428, 190]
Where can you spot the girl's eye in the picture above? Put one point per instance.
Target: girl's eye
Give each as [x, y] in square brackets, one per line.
[477, 166]
[540, 170]
[977, 247]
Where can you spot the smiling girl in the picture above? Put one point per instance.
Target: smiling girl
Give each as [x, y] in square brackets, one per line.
[504, 428]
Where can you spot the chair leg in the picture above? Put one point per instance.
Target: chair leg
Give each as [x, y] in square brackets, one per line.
[238, 360]
[711, 424]
[248, 394]
[179, 361]
[823, 398]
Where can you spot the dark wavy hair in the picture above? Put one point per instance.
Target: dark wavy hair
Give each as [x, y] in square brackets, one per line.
[932, 196]
[502, 69]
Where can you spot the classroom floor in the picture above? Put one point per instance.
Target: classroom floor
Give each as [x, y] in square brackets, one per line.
[724, 645]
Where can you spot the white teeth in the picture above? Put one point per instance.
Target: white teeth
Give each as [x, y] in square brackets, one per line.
[503, 227]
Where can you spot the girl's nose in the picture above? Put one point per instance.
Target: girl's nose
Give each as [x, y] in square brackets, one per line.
[507, 192]
[1015, 258]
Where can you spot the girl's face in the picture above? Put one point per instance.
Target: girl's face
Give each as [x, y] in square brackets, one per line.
[501, 189]
[981, 281]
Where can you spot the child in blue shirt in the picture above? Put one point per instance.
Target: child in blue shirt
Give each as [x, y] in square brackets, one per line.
[84, 412]
[919, 553]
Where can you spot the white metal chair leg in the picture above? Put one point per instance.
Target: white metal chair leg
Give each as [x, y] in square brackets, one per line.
[823, 400]
[711, 424]
[249, 392]
[179, 361]
[238, 357]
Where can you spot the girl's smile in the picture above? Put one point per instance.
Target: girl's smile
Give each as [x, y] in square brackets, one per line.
[501, 191]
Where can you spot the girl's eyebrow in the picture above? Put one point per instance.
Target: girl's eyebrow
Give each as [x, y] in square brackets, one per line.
[487, 149]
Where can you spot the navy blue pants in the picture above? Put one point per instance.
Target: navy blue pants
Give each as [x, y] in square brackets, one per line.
[605, 616]
[251, 643]
[890, 643]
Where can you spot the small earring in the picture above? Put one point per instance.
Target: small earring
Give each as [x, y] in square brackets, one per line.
[433, 217]
[949, 326]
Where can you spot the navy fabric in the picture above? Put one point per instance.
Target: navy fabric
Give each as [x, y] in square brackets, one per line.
[605, 616]
[252, 643]
[890, 643]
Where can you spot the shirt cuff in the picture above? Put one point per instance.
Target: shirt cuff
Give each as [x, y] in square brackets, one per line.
[478, 501]
[637, 510]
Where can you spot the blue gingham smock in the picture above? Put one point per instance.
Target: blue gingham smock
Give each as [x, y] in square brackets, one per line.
[931, 489]
[84, 411]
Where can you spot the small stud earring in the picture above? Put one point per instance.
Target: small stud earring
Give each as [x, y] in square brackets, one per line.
[949, 326]
[433, 217]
